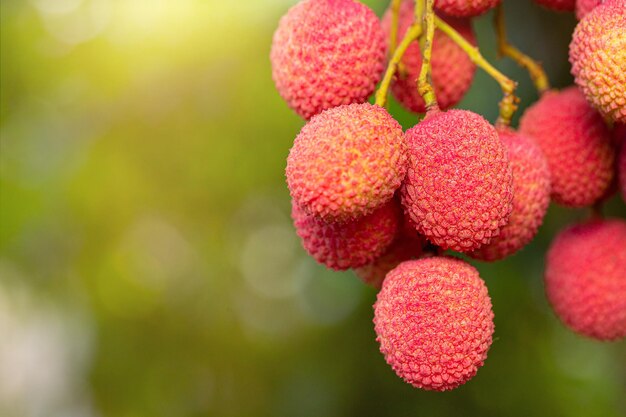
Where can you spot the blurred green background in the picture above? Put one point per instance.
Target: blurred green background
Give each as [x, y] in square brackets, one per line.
[148, 266]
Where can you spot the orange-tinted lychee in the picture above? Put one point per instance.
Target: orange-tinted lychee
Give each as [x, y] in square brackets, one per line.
[327, 53]
[346, 162]
[598, 57]
[434, 322]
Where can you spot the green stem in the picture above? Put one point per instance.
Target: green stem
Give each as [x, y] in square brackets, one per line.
[508, 104]
[534, 68]
[413, 33]
[424, 81]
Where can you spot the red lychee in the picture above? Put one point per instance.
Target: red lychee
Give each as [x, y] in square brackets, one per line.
[350, 244]
[585, 6]
[576, 143]
[452, 70]
[531, 197]
[434, 322]
[326, 53]
[559, 5]
[458, 189]
[346, 162]
[402, 249]
[586, 278]
[465, 8]
[598, 57]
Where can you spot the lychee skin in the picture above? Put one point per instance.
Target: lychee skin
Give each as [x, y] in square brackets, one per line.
[576, 143]
[458, 189]
[352, 244]
[452, 70]
[346, 162]
[585, 278]
[531, 197]
[402, 249]
[326, 53]
[465, 8]
[598, 57]
[434, 322]
[585, 6]
[559, 5]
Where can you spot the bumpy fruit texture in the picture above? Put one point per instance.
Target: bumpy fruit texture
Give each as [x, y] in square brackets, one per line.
[351, 244]
[465, 8]
[346, 162]
[576, 143]
[585, 6]
[598, 57]
[434, 322]
[452, 70]
[531, 197]
[586, 278]
[402, 249]
[458, 189]
[560, 5]
[326, 53]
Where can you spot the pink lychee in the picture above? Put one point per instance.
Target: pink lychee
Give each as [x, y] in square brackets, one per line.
[326, 53]
[434, 322]
[585, 278]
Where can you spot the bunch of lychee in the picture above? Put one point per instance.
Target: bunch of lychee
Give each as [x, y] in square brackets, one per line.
[388, 203]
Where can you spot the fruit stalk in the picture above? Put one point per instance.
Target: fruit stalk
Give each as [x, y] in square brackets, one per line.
[534, 68]
[508, 104]
[414, 32]
[395, 18]
[424, 82]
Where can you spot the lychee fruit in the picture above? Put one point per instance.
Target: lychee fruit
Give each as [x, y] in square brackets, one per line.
[585, 6]
[434, 322]
[598, 57]
[402, 249]
[465, 8]
[452, 70]
[585, 278]
[531, 197]
[326, 53]
[559, 5]
[346, 162]
[349, 244]
[458, 189]
[576, 143]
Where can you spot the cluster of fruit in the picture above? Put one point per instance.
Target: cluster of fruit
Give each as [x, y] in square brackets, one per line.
[368, 196]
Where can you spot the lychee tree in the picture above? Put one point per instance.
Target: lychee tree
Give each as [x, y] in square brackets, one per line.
[389, 204]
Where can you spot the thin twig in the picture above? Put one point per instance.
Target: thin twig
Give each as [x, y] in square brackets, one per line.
[411, 35]
[424, 81]
[534, 68]
[508, 104]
